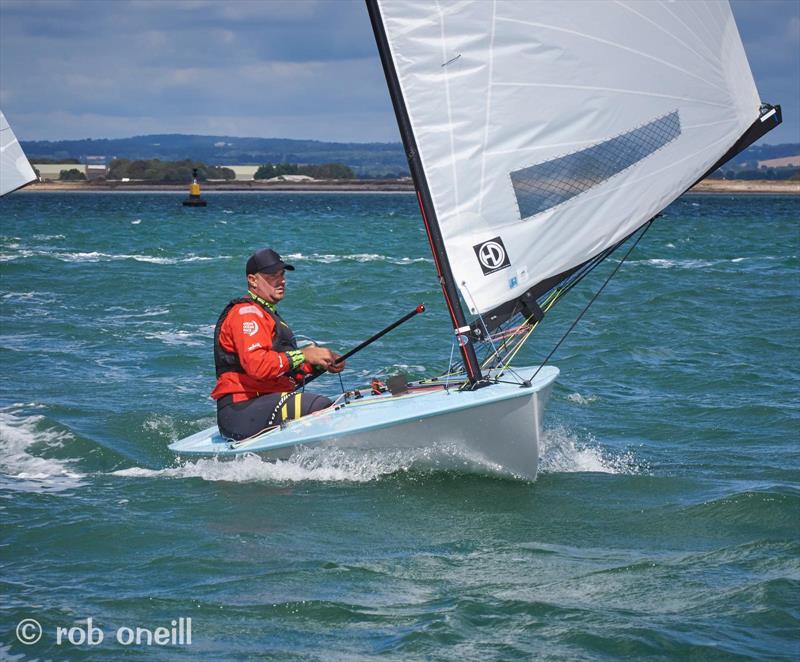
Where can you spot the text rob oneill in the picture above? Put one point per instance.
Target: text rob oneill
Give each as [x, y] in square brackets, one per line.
[178, 634]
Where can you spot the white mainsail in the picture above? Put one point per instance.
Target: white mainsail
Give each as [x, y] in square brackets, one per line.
[550, 131]
[15, 171]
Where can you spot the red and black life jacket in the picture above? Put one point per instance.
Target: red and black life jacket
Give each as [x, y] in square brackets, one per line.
[283, 338]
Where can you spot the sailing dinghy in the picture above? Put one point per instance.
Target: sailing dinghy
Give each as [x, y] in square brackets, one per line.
[541, 136]
[15, 170]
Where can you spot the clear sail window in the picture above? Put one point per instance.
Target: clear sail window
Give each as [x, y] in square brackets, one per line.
[544, 185]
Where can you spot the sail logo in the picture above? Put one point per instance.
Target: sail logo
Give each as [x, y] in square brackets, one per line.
[492, 255]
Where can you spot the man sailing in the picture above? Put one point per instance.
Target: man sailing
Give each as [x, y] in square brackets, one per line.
[257, 360]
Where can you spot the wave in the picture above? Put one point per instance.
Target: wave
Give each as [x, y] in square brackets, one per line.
[95, 256]
[22, 471]
[775, 507]
[666, 263]
[121, 313]
[327, 258]
[579, 399]
[197, 338]
[28, 297]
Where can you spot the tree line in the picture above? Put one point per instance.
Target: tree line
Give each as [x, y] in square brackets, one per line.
[180, 172]
[155, 170]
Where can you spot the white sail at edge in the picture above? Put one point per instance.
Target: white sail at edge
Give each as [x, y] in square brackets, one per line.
[15, 170]
[549, 131]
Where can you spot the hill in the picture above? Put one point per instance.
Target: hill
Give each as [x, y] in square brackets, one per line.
[370, 160]
[366, 159]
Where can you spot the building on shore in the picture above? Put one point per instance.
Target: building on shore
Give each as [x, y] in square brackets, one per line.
[51, 171]
[244, 173]
[92, 167]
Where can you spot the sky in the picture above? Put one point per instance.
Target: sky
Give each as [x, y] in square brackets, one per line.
[305, 69]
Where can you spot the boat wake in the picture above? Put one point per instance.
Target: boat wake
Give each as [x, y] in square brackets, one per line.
[561, 452]
[32, 451]
[321, 464]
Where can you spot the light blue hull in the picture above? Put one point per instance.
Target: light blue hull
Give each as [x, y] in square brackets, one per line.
[495, 429]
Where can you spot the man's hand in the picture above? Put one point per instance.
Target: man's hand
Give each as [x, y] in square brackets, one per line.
[322, 357]
[336, 368]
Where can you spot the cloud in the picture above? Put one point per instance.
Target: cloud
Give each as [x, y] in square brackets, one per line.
[770, 32]
[282, 68]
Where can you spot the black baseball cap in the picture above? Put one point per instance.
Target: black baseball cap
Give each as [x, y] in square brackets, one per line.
[266, 261]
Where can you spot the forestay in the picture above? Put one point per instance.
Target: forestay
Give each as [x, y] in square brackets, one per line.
[550, 131]
[15, 171]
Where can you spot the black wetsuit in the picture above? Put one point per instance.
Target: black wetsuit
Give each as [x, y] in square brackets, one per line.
[240, 420]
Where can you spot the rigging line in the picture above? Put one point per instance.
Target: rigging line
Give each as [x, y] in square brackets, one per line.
[579, 275]
[503, 381]
[511, 345]
[593, 299]
[551, 300]
[450, 364]
[554, 297]
[485, 329]
[513, 351]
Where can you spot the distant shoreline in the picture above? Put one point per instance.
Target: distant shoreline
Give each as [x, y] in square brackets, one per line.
[747, 186]
[736, 186]
[320, 186]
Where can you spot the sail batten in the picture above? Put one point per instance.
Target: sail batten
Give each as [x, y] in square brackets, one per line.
[549, 132]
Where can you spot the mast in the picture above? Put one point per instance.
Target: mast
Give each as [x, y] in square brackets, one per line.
[444, 272]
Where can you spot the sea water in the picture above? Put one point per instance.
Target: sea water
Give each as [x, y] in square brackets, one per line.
[663, 524]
